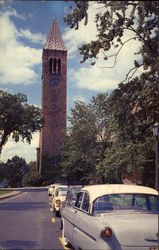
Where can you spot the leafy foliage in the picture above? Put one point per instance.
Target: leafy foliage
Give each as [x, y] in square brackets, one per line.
[2, 171]
[107, 142]
[32, 179]
[79, 150]
[14, 170]
[17, 118]
[85, 145]
[115, 18]
[121, 127]
[51, 171]
[135, 106]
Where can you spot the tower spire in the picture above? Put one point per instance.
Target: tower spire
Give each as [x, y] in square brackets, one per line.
[54, 40]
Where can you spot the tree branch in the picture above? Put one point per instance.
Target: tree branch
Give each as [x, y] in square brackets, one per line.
[115, 55]
[127, 75]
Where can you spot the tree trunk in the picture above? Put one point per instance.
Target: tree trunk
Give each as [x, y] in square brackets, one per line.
[3, 141]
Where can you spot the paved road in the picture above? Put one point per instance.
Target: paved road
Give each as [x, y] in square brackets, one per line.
[26, 222]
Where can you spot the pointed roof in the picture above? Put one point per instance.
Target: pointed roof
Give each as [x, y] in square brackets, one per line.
[54, 40]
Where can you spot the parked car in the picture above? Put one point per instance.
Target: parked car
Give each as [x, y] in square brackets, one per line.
[51, 189]
[116, 217]
[58, 185]
[58, 199]
[71, 195]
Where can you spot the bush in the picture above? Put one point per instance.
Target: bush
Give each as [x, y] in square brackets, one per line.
[32, 179]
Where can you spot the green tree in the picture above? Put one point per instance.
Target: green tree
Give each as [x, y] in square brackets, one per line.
[111, 139]
[2, 171]
[131, 109]
[134, 107]
[3, 174]
[15, 169]
[79, 147]
[17, 118]
[134, 161]
[32, 179]
[113, 20]
[86, 143]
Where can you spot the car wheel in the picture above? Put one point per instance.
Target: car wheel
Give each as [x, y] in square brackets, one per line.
[57, 213]
[65, 240]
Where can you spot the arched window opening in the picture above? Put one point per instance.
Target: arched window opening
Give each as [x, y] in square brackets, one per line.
[59, 66]
[54, 66]
[50, 66]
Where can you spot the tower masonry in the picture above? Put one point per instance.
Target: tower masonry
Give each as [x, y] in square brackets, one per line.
[54, 77]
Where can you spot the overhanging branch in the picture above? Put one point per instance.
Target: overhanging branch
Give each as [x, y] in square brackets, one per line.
[134, 71]
[115, 55]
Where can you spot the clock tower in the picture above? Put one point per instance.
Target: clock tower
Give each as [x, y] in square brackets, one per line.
[54, 74]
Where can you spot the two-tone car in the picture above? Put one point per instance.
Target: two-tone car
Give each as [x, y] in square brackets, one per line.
[59, 198]
[51, 189]
[112, 217]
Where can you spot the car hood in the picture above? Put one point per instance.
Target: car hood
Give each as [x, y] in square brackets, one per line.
[137, 229]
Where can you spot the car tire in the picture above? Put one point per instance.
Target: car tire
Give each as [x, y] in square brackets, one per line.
[65, 240]
[57, 213]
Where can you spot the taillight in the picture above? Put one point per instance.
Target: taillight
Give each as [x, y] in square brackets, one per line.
[106, 233]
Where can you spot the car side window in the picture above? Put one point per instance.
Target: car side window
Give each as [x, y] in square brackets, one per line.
[85, 204]
[79, 200]
[73, 199]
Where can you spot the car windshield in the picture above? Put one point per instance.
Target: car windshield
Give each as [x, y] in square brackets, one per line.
[137, 202]
[62, 192]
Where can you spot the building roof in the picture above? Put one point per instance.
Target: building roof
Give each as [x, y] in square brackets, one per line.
[54, 40]
[96, 191]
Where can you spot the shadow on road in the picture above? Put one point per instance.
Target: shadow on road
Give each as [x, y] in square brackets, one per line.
[18, 244]
[13, 206]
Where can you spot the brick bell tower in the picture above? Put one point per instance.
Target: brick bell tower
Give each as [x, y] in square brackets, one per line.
[54, 74]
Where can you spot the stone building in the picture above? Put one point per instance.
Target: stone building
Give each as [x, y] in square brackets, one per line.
[54, 78]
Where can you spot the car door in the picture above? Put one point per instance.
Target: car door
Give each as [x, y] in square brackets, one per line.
[67, 214]
[82, 219]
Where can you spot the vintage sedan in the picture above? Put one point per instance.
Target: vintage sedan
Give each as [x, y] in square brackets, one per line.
[116, 217]
[51, 189]
[58, 199]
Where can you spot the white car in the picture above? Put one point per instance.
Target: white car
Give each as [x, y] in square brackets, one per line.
[51, 189]
[59, 198]
[112, 217]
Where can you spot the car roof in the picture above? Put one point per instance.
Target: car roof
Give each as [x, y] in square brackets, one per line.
[96, 191]
[62, 188]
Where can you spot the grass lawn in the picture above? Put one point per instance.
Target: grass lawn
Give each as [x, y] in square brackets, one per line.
[4, 192]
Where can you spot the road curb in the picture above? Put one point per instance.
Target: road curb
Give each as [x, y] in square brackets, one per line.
[13, 193]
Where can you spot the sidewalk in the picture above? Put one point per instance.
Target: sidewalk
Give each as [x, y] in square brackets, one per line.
[12, 193]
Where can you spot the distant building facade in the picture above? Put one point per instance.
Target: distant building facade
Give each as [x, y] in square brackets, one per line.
[54, 80]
